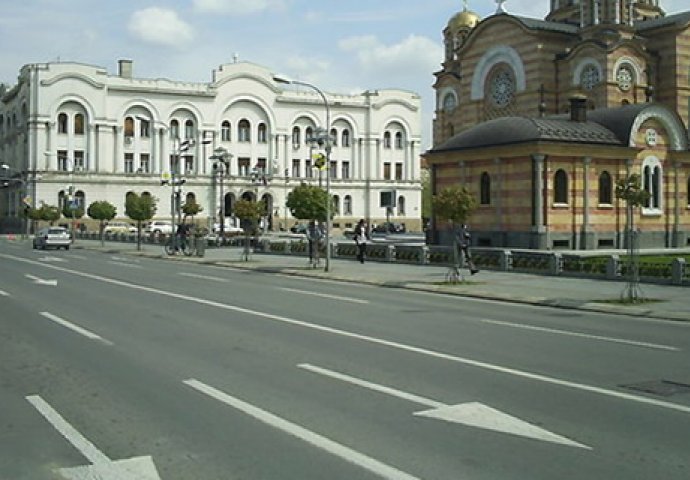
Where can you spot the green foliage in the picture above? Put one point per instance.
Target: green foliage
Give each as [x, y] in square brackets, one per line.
[454, 204]
[140, 208]
[49, 213]
[191, 208]
[630, 190]
[248, 210]
[72, 213]
[102, 210]
[308, 202]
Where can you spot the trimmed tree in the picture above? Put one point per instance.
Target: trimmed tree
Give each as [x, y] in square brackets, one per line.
[454, 204]
[49, 213]
[191, 208]
[308, 202]
[140, 208]
[103, 212]
[249, 214]
[629, 189]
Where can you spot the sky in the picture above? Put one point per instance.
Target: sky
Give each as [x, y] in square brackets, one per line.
[340, 46]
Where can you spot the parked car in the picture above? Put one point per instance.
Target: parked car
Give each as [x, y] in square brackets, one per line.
[159, 226]
[230, 227]
[389, 227]
[58, 237]
[299, 228]
[119, 227]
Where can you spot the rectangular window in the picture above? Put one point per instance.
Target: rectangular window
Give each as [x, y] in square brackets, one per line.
[129, 163]
[188, 164]
[144, 129]
[333, 169]
[308, 170]
[243, 167]
[295, 168]
[174, 164]
[62, 160]
[345, 170]
[261, 166]
[386, 171]
[398, 171]
[144, 162]
[78, 161]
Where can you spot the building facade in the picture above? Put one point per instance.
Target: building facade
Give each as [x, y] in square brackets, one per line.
[540, 118]
[76, 133]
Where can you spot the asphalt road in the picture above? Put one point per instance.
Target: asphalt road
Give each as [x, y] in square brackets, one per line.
[129, 367]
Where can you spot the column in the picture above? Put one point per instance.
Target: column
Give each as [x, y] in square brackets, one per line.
[91, 152]
[586, 234]
[118, 133]
[678, 239]
[539, 235]
[497, 196]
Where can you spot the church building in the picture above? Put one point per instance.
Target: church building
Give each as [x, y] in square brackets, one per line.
[540, 118]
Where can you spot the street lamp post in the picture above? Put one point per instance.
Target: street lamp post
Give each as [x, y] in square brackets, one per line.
[8, 178]
[222, 167]
[327, 143]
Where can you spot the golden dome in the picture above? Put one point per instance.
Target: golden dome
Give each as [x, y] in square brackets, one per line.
[464, 19]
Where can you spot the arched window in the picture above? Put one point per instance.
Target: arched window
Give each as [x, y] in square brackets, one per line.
[560, 187]
[144, 128]
[174, 129]
[399, 140]
[387, 140]
[188, 129]
[296, 137]
[687, 193]
[261, 132]
[334, 136]
[308, 134]
[345, 138]
[449, 102]
[485, 189]
[347, 205]
[129, 127]
[501, 87]
[336, 204]
[79, 124]
[62, 123]
[401, 206]
[605, 188]
[225, 131]
[652, 183]
[244, 131]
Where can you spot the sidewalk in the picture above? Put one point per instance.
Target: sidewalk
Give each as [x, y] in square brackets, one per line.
[670, 302]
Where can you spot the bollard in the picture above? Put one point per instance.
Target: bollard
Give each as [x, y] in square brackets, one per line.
[200, 243]
[613, 267]
[678, 271]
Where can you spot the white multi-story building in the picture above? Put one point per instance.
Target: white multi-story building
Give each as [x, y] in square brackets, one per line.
[73, 127]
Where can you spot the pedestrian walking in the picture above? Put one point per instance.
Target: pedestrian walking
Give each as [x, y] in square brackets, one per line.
[315, 235]
[462, 239]
[361, 238]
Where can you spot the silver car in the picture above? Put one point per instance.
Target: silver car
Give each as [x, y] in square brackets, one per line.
[52, 237]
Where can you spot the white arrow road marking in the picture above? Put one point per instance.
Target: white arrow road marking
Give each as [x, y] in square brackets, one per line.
[319, 441]
[325, 295]
[75, 328]
[579, 334]
[40, 281]
[137, 468]
[473, 414]
[538, 377]
[203, 277]
[52, 259]
[124, 264]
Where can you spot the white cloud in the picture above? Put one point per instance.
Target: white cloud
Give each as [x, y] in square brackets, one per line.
[161, 26]
[237, 7]
[412, 55]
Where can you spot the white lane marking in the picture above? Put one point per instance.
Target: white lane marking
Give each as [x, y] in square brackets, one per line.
[78, 441]
[377, 341]
[368, 463]
[137, 468]
[124, 264]
[41, 281]
[80, 257]
[4, 293]
[473, 414]
[325, 295]
[52, 259]
[124, 259]
[203, 277]
[579, 334]
[372, 386]
[75, 328]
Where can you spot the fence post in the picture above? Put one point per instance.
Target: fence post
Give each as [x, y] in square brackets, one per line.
[424, 255]
[678, 271]
[390, 253]
[613, 267]
[506, 260]
[556, 264]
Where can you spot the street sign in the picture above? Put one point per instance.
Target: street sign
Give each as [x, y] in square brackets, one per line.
[27, 201]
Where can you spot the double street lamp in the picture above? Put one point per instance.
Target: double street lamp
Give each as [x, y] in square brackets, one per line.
[325, 137]
[221, 166]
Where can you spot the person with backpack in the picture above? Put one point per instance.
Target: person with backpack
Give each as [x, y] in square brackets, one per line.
[315, 235]
[462, 239]
[361, 238]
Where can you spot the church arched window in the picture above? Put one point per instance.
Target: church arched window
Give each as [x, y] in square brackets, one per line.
[449, 103]
[501, 87]
[485, 189]
[605, 188]
[560, 187]
[652, 183]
